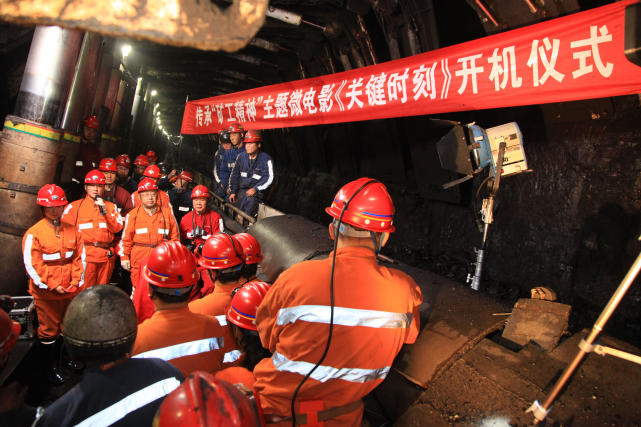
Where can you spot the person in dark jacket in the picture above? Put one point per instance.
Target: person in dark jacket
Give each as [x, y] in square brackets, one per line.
[253, 173]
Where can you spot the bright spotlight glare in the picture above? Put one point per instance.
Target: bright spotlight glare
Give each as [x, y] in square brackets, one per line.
[126, 49]
[154, 93]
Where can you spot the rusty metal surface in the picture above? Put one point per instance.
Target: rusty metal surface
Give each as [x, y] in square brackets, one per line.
[288, 239]
[200, 25]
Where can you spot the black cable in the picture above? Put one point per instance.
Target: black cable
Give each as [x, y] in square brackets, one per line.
[331, 299]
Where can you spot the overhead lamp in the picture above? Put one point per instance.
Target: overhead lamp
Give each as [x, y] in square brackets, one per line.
[126, 49]
[154, 92]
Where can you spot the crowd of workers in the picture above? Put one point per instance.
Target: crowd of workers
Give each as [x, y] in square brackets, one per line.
[197, 319]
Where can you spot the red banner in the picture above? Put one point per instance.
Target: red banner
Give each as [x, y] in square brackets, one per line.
[579, 56]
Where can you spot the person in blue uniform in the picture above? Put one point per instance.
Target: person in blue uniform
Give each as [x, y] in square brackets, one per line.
[224, 144]
[100, 329]
[252, 175]
[180, 194]
[236, 135]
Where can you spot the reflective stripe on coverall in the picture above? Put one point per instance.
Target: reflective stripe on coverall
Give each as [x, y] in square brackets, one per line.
[376, 312]
[196, 342]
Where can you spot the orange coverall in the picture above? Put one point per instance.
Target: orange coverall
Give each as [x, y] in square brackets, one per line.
[163, 199]
[216, 302]
[189, 341]
[375, 313]
[98, 233]
[53, 260]
[142, 233]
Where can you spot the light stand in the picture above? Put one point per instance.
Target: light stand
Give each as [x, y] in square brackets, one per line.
[587, 344]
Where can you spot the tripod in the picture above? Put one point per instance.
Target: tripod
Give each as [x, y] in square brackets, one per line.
[587, 344]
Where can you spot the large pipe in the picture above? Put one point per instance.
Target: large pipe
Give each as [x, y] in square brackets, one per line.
[47, 75]
[83, 87]
[104, 76]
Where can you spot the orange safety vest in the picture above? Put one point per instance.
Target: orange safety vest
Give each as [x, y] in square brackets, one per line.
[53, 260]
[98, 231]
[189, 341]
[375, 313]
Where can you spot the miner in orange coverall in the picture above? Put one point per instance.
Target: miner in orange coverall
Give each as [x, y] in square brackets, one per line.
[375, 312]
[55, 260]
[98, 222]
[187, 340]
[222, 263]
[153, 173]
[145, 227]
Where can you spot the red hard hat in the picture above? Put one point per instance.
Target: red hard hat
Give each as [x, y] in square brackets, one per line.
[206, 401]
[200, 191]
[171, 265]
[244, 304]
[253, 136]
[95, 177]
[51, 195]
[151, 154]
[236, 128]
[108, 165]
[92, 122]
[251, 248]
[187, 176]
[123, 160]
[141, 160]
[147, 184]
[221, 251]
[152, 171]
[9, 332]
[370, 209]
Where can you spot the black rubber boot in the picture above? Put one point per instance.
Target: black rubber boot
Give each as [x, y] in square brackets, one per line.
[50, 352]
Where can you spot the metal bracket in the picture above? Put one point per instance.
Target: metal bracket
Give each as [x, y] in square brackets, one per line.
[538, 412]
[603, 350]
[16, 186]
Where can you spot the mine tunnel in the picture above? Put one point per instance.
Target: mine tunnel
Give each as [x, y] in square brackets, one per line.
[567, 222]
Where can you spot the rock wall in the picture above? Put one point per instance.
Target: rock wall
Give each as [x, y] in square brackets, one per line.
[572, 224]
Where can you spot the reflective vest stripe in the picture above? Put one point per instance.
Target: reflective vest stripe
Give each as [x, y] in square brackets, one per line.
[232, 356]
[221, 225]
[102, 225]
[326, 373]
[79, 163]
[183, 208]
[134, 401]
[183, 349]
[222, 319]
[163, 231]
[243, 174]
[68, 254]
[256, 176]
[28, 264]
[343, 316]
[141, 230]
[51, 257]
[85, 226]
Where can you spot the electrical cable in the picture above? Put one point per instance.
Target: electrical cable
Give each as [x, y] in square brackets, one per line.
[331, 299]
